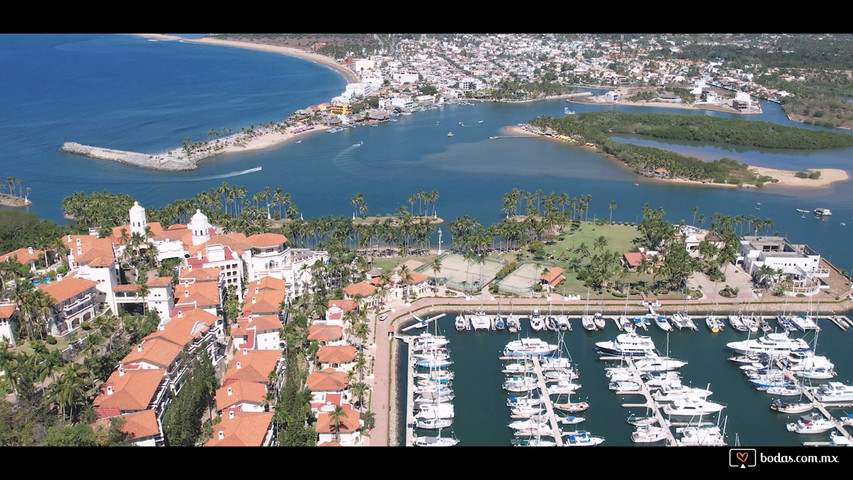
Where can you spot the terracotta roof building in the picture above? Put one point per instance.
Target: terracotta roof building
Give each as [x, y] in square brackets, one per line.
[243, 429]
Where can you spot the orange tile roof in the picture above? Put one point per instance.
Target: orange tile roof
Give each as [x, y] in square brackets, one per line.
[207, 274]
[98, 252]
[325, 333]
[156, 351]
[66, 288]
[261, 323]
[265, 302]
[345, 305]
[23, 255]
[336, 354]
[204, 294]
[266, 240]
[414, 277]
[633, 258]
[158, 281]
[328, 380]
[267, 283]
[137, 425]
[236, 241]
[349, 423]
[182, 330]
[554, 276]
[254, 365]
[132, 390]
[246, 429]
[241, 392]
[7, 310]
[361, 288]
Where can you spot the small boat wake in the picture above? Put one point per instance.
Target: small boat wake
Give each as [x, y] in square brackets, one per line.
[349, 149]
[223, 175]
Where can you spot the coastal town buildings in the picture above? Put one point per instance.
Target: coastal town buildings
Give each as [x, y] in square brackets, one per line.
[797, 261]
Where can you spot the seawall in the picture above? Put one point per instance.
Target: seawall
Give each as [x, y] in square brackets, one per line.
[172, 161]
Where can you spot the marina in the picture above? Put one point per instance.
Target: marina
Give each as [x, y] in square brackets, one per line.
[482, 411]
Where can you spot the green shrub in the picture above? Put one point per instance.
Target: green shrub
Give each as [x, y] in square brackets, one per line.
[50, 340]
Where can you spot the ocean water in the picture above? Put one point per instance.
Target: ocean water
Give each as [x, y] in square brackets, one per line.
[132, 93]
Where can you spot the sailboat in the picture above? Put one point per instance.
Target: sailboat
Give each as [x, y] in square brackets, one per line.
[536, 322]
[499, 321]
[512, 323]
[435, 410]
[587, 320]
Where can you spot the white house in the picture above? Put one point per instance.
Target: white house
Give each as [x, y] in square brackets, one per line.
[799, 262]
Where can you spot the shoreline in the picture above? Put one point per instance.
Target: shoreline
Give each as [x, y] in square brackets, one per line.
[787, 178]
[14, 201]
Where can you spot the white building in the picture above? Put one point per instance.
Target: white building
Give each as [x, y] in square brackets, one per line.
[799, 262]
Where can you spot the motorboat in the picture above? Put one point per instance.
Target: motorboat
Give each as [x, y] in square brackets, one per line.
[641, 322]
[529, 347]
[435, 441]
[663, 323]
[658, 364]
[435, 410]
[434, 362]
[499, 323]
[641, 421]
[649, 434]
[822, 212]
[562, 387]
[520, 384]
[461, 323]
[625, 323]
[629, 345]
[834, 392]
[784, 391]
[656, 380]
[581, 438]
[526, 412]
[516, 368]
[532, 423]
[551, 323]
[691, 407]
[555, 363]
[674, 391]
[625, 387]
[563, 324]
[588, 323]
[571, 420]
[427, 340]
[812, 424]
[703, 436]
[433, 423]
[773, 344]
[514, 402]
[790, 407]
[536, 321]
[512, 324]
[812, 366]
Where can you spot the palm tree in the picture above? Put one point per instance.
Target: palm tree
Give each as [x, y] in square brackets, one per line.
[336, 419]
[436, 267]
[70, 389]
[611, 206]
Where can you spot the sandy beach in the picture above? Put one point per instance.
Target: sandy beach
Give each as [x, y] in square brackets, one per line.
[787, 178]
[293, 52]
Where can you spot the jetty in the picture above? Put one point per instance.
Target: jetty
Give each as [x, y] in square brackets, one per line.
[173, 162]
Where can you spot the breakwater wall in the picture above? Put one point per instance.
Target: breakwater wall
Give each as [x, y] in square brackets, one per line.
[172, 161]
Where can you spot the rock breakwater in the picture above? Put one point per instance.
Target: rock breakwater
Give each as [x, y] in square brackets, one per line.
[171, 161]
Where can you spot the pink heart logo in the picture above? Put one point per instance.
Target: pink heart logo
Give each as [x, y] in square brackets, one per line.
[742, 456]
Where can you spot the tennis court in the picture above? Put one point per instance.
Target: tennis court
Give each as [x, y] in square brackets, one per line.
[457, 273]
[521, 279]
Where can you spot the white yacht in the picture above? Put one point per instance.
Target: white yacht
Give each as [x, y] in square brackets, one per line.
[834, 392]
[692, 408]
[736, 323]
[648, 434]
[536, 322]
[674, 390]
[581, 439]
[555, 363]
[773, 344]
[588, 323]
[461, 323]
[788, 407]
[563, 387]
[429, 441]
[812, 366]
[628, 345]
[599, 321]
[529, 347]
[520, 384]
[811, 424]
[435, 410]
[653, 363]
[433, 423]
[514, 402]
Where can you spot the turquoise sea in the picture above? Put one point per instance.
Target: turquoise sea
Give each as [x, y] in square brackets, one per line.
[131, 93]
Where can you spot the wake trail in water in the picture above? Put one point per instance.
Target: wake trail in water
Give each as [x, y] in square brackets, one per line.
[221, 175]
[347, 150]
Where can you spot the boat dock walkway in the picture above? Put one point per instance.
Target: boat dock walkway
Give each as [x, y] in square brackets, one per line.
[410, 397]
[817, 404]
[549, 406]
[650, 402]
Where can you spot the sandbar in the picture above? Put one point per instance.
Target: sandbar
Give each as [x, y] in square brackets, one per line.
[787, 178]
